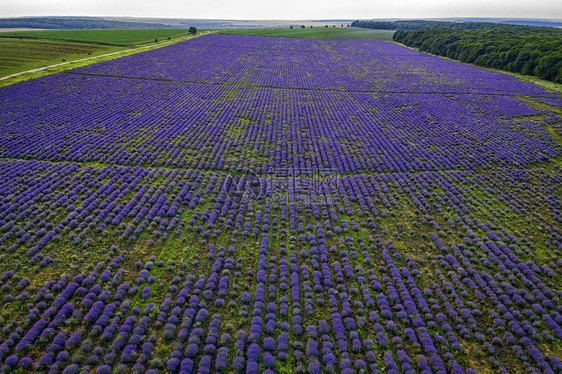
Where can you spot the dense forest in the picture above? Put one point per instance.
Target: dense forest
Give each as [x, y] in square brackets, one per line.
[422, 24]
[523, 50]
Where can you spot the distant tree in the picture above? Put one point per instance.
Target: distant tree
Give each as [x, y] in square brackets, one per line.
[291, 27]
[326, 26]
[155, 40]
[310, 26]
[193, 30]
[333, 25]
[302, 26]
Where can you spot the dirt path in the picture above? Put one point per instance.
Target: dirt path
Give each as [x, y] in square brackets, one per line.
[104, 55]
[19, 29]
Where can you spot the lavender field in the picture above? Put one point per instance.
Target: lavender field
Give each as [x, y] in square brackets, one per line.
[242, 204]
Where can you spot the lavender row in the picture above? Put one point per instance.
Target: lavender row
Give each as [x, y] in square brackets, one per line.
[144, 123]
[350, 65]
[170, 227]
[311, 250]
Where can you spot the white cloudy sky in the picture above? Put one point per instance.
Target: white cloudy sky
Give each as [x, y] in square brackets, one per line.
[286, 9]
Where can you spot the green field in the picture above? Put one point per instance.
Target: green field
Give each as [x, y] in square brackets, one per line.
[316, 32]
[20, 55]
[128, 37]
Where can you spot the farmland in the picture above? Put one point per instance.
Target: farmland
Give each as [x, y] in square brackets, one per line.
[238, 203]
[20, 55]
[125, 38]
[315, 32]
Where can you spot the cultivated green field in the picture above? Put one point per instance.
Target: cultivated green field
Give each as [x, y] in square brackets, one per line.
[20, 55]
[316, 32]
[121, 37]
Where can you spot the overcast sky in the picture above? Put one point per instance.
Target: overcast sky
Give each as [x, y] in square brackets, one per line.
[286, 9]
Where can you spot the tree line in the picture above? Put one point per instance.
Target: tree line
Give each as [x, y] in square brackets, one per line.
[522, 49]
[63, 23]
[422, 24]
